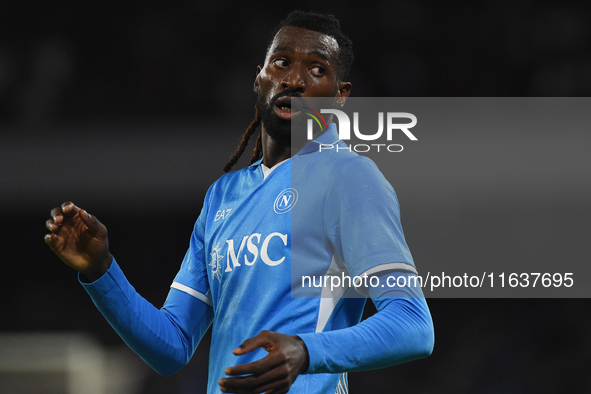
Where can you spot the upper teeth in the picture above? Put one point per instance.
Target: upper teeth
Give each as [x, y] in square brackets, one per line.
[286, 109]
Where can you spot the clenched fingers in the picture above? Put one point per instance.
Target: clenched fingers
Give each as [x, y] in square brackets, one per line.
[57, 215]
[61, 215]
[274, 380]
[69, 209]
[51, 226]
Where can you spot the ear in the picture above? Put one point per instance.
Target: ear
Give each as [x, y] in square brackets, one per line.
[344, 91]
[256, 80]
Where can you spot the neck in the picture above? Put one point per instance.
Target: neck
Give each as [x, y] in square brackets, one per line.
[274, 151]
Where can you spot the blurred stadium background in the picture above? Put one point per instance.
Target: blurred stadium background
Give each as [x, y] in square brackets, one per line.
[131, 109]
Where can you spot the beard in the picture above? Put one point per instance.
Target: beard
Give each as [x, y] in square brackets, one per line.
[277, 128]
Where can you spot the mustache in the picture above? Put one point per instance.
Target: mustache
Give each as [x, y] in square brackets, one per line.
[295, 93]
[287, 93]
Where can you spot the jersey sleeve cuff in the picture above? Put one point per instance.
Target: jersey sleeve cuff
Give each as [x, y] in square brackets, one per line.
[105, 283]
[315, 352]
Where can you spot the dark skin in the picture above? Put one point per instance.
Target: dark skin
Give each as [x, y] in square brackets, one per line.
[301, 61]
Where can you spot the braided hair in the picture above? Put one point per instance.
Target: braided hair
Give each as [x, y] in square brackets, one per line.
[258, 150]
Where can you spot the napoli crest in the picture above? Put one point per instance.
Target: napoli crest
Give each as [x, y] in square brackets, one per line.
[285, 201]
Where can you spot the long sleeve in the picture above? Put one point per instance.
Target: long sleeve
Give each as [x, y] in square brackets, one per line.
[401, 330]
[164, 338]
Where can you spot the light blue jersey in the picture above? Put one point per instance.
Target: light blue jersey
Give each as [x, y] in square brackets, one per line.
[316, 213]
[319, 214]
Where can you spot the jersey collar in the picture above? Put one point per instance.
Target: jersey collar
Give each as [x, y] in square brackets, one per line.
[329, 137]
[254, 165]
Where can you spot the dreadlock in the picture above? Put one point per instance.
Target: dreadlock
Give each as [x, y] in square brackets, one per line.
[257, 153]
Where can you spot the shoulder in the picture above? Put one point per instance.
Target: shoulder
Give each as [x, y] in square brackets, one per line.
[232, 180]
[355, 172]
[226, 187]
[233, 176]
[357, 166]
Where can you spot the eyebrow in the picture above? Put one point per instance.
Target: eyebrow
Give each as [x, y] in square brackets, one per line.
[321, 55]
[316, 52]
[283, 48]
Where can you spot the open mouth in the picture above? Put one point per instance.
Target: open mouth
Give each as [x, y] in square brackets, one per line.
[283, 108]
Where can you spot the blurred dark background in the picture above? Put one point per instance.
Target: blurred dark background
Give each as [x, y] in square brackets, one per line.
[132, 108]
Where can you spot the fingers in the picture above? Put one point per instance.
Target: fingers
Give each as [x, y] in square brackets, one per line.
[87, 219]
[246, 385]
[69, 209]
[57, 215]
[257, 367]
[51, 226]
[50, 240]
[274, 380]
[272, 374]
[64, 212]
[262, 339]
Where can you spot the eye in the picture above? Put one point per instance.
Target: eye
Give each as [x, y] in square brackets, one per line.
[280, 62]
[317, 71]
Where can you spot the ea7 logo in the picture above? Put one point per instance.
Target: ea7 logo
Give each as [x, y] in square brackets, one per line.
[285, 201]
[222, 214]
[391, 125]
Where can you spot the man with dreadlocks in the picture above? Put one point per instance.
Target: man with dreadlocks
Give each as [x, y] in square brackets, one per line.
[237, 271]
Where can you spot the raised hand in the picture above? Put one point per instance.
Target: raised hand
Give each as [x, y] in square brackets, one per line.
[273, 374]
[79, 240]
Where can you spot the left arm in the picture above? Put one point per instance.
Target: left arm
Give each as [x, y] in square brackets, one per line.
[401, 331]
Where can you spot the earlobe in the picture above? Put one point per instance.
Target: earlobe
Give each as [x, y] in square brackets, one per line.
[344, 91]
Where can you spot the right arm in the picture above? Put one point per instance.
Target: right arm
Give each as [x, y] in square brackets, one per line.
[164, 338]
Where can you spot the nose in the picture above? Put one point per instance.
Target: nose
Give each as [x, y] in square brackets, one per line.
[294, 79]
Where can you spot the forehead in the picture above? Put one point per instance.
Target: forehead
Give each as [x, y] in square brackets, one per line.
[298, 39]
